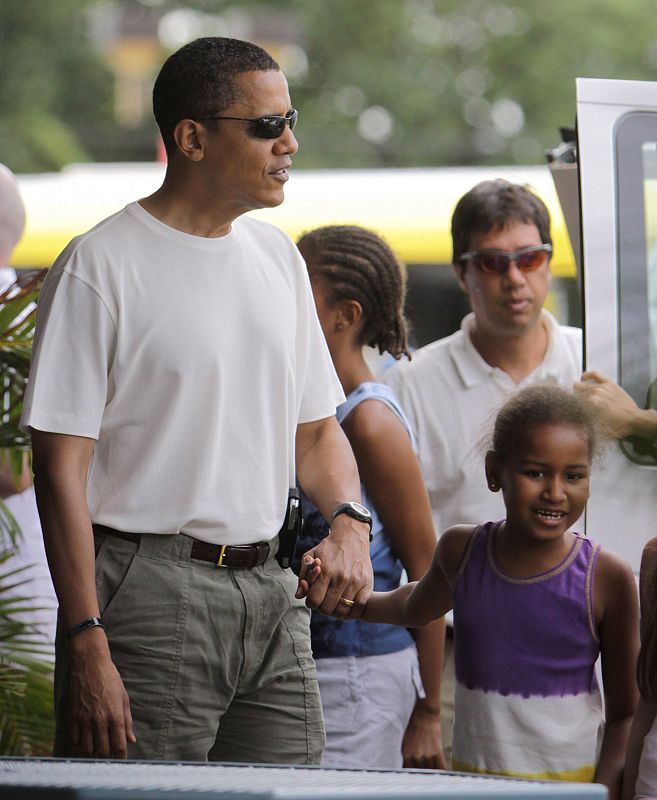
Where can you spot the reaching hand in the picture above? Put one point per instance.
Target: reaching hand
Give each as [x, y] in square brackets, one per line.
[617, 410]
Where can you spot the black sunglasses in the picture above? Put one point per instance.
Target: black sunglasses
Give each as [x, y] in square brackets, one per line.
[496, 262]
[270, 127]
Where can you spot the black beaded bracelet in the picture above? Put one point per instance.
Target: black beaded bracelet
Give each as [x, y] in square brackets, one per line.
[91, 622]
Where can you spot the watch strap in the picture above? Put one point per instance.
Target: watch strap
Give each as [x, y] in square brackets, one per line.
[349, 510]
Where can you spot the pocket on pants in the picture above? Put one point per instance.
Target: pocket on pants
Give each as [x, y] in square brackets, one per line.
[115, 561]
[342, 689]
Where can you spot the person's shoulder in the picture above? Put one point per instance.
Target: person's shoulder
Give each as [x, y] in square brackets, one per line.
[571, 333]
[423, 360]
[102, 237]
[612, 570]
[373, 420]
[569, 337]
[274, 244]
[262, 229]
[452, 548]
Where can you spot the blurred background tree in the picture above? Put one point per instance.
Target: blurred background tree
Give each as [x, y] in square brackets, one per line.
[378, 82]
[52, 84]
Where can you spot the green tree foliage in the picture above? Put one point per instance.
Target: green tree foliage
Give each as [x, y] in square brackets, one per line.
[465, 81]
[388, 82]
[26, 691]
[51, 84]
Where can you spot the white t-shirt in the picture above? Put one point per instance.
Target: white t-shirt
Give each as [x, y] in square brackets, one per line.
[451, 397]
[191, 361]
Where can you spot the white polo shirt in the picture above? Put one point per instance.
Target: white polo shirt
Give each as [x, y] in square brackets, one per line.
[451, 397]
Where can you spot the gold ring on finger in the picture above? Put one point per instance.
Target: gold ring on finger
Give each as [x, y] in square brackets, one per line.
[346, 602]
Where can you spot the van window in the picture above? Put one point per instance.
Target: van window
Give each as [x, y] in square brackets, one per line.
[636, 200]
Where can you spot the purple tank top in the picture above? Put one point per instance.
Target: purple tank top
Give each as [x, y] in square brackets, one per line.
[531, 636]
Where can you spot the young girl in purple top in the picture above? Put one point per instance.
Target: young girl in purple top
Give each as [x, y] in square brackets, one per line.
[534, 605]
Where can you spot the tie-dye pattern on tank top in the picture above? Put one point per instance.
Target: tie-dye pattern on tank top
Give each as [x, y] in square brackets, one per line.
[527, 699]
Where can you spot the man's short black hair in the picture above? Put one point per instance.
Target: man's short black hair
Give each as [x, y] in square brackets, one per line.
[492, 206]
[199, 80]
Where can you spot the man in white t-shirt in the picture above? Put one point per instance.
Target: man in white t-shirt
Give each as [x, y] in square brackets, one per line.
[452, 388]
[180, 383]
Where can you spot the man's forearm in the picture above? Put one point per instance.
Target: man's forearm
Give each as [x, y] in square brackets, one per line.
[68, 540]
[644, 424]
[326, 466]
[61, 463]
[328, 474]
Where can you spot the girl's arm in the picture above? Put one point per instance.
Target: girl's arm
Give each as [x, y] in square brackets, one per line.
[392, 477]
[645, 713]
[391, 474]
[617, 615]
[643, 719]
[420, 602]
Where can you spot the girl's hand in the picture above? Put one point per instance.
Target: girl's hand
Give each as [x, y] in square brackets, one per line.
[311, 569]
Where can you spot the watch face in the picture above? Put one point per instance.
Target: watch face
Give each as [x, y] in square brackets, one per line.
[359, 509]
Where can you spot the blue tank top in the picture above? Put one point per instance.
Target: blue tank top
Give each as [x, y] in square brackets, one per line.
[332, 637]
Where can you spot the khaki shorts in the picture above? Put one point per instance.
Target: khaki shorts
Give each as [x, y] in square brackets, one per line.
[216, 662]
[368, 702]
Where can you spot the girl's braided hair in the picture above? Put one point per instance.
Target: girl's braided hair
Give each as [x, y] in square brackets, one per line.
[356, 264]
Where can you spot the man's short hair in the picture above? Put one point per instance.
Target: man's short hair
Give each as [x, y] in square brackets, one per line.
[199, 80]
[492, 206]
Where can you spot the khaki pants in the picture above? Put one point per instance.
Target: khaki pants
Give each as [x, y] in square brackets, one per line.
[216, 662]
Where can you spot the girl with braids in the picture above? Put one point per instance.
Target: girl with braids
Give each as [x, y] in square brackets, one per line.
[640, 777]
[535, 604]
[373, 693]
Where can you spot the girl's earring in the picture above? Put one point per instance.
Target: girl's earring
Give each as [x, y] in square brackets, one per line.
[494, 487]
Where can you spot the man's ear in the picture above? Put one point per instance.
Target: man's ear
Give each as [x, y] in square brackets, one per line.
[493, 471]
[189, 137]
[459, 271]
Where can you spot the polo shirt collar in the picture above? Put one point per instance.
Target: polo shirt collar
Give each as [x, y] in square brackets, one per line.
[473, 369]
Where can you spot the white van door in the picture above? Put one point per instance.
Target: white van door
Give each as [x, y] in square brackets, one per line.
[617, 146]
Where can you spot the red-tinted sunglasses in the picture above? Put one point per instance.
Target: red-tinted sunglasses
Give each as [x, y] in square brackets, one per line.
[496, 262]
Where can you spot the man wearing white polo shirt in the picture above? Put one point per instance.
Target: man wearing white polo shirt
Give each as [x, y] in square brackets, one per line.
[453, 387]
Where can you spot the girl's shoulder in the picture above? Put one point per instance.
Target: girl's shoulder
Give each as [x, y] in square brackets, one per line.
[453, 548]
[610, 565]
[373, 416]
[614, 584]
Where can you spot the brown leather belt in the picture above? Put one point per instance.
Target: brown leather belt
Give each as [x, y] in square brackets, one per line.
[233, 556]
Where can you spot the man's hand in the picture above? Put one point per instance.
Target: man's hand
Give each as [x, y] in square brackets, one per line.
[617, 410]
[422, 746]
[100, 723]
[346, 570]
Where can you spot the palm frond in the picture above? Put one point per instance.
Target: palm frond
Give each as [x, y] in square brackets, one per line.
[17, 317]
[26, 670]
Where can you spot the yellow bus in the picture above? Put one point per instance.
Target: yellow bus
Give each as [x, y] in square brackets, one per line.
[410, 208]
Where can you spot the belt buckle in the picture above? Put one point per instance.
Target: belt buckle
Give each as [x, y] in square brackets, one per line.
[222, 553]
